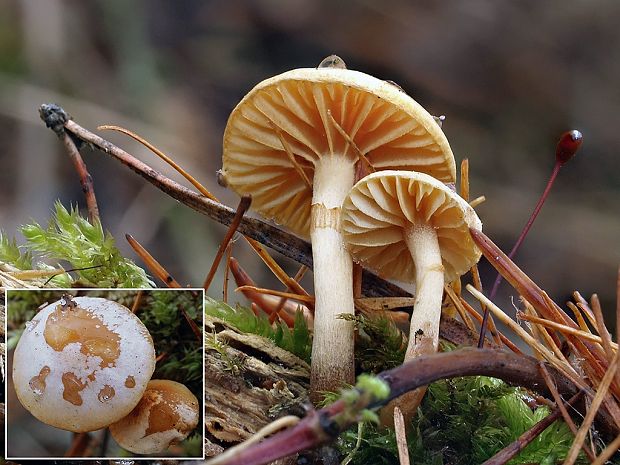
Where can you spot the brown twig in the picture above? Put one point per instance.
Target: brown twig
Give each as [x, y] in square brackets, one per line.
[79, 444]
[53, 116]
[271, 236]
[193, 181]
[244, 205]
[192, 324]
[136, 302]
[511, 450]
[227, 272]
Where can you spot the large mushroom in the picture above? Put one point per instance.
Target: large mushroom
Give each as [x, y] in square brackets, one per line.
[296, 143]
[82, 363]
[411, 227]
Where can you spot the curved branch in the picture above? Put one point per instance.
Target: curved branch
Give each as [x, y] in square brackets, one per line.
[319, 427]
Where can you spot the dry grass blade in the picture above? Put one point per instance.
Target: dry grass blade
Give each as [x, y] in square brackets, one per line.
[559, 402]
[518, 279]
[460, 308]
[244, 205]
[602, 329]
[563, 328]
[543, 332]
[567, 370]
[136, 302]
[579, 317]
[401, 437]
[477, 201]
[193, 181]
[601, 393]
[610, 450]
[284, 278]
[507, 342]
[152, 265]
[287, 295]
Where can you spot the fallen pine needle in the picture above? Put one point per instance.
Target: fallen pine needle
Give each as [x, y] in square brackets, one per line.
[592, 411]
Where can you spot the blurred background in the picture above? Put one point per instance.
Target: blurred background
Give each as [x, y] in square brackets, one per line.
[510, 77]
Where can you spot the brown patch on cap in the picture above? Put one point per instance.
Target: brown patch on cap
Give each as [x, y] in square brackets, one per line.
[73, 387]
[64, 327]
[37, 383]
[106, 393]
[130, 382]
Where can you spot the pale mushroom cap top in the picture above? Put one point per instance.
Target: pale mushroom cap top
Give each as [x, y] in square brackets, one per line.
[81, 369]
[381, 205]
[390, 128]
[167, 413]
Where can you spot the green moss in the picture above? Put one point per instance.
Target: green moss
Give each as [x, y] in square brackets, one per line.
[296, 340]
[464, 421]
[85, 246]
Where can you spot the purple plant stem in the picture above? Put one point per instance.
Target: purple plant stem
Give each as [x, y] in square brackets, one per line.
[526, 229]
[567, 146]
[530, 222]
[324, 425]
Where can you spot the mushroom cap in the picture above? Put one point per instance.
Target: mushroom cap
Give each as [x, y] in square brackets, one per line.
[166, 414]
[82, 368]
[381, 205]
[390, 128]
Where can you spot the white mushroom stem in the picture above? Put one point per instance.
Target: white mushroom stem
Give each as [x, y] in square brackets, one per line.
[421, 239]
[332, 346]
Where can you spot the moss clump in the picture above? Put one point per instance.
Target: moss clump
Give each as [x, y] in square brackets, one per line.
[85, 246]
[464, 421]
[296, 340]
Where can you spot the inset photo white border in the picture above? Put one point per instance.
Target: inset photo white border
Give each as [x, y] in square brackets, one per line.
[21, 427]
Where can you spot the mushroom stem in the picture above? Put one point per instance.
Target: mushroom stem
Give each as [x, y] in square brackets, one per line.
[421, 239]
[332, 346]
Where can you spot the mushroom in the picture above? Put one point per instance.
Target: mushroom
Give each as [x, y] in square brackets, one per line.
[296, 143]
[165, 415]
[82, 363]
[407, 225]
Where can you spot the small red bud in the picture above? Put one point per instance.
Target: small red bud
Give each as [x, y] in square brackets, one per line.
[568, 145]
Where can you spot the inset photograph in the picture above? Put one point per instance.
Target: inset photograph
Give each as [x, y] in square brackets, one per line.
[104, 373]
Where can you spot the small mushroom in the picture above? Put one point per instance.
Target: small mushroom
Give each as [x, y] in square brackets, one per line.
[296, 143]
[409, 226]
[82, 363]
[167, 413]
